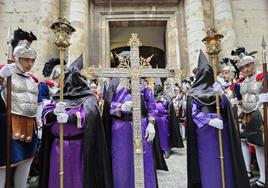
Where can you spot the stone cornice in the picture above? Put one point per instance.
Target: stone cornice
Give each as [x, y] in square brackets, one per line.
[135, 2]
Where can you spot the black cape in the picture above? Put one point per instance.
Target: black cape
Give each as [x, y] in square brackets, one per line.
[175, 134]
[160, 162]
[97, 168]
[239, 169]
[202, 90]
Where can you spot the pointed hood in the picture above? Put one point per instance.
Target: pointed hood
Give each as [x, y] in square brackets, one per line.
[77, 63]
[202, 87]
[158, 91]
[75, 85]
[158, 87]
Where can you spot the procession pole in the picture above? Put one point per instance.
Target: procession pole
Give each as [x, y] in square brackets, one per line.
[63, 31]
[265, 106]
[8, 114]
[62, 52]
[212, 42]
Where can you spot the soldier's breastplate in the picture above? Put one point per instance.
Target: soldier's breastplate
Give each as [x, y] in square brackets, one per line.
[249, 90]
[24, 96]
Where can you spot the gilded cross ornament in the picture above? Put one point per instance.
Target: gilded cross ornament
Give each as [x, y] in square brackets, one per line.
[132, 68]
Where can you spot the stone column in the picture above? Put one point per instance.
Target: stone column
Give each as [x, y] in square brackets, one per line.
[172, 44]
[223, 19]
[195, 29]
[79, 18]
[46, 49]
[65, 8]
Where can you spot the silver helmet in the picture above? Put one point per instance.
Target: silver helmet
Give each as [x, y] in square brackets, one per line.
[21, 43]
[246, 60]
[243, 57]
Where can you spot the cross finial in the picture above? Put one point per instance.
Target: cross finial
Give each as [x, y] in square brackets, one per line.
[134, 41]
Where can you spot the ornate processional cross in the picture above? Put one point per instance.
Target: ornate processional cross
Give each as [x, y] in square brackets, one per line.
[135, 73]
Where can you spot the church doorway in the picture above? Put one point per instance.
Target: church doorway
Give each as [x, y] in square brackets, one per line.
[151, 33]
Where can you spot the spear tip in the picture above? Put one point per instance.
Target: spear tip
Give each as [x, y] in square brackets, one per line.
[9, 34]
[9, 45]
[263, 43]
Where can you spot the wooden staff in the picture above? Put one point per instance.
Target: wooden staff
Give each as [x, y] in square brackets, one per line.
[63, 31]
[212, 42]
[62, 51]
[235, 107]
[265, 106]
[8, 114]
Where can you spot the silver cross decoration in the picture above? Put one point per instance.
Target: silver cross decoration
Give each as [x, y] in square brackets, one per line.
[135, 73]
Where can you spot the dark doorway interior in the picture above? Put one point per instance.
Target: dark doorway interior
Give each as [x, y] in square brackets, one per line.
[158, 59]
[151, 34]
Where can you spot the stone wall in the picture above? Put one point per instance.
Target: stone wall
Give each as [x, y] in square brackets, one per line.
[196, 30]
[182, 32]
[34, 15]
[251, 23]
[78, 16]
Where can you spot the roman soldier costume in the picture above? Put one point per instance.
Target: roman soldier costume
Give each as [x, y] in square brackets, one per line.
[23, 109]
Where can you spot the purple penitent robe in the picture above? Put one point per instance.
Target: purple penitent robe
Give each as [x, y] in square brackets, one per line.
[208, 148]
[163, 124]
[72, 149]
[122, 141]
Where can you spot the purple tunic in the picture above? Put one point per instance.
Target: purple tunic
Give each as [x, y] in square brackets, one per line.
[72, 151]
[122, 142]
[208, 149]
[163, 124]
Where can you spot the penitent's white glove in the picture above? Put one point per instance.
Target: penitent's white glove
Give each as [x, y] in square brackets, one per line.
[217, 88]
[150, 132]
[126, 106]
[60, 108]
[216, 122]
[7, 70]
[263, 97]
[62, 118]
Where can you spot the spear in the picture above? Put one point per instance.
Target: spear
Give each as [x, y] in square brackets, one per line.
[265, 105]
[63, 30]
[8, 113]
[212, 42]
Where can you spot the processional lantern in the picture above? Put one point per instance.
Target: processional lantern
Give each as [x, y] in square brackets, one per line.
[63, 31]
[213, 44]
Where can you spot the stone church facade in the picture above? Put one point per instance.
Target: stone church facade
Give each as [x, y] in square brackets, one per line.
[176, 27]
